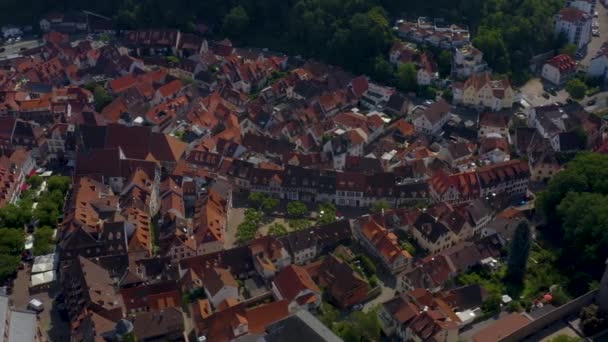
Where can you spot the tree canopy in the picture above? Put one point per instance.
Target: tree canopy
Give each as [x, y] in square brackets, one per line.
[575, 208]
[518, 253]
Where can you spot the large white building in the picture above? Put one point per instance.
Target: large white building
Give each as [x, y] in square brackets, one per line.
[575, 24]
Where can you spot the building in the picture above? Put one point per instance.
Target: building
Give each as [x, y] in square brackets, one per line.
[468, 60]
[501, 328]
[511, 177]
[428, 71]
[432, 119]
[559, 69]
[418, 315]
[382, 244]
[296, 286]
[481, 91]
[17, 325]
[575, 25]
[598, 66]
[343, 284]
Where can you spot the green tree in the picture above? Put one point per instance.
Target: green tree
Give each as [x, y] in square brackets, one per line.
[256, 199]
[494, 49]
[101, 98]
[406, 77]
[15, 216]
[368, 266]
[383, 70]
[379, 206]
[329, 314]
[568, 49]
[445, 63]
[296, 209]
[236, 22]
[172, 60]
[8, 265]
[576, 88]
[34, 181]
[367, 324]
[59, 183]
[269, 204]
[11, 241]
[277, 230]
[43, 240]
[327, 213]
[519, 252]
[566, 338]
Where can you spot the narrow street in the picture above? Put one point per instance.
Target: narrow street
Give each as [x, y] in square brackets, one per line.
[596, 42]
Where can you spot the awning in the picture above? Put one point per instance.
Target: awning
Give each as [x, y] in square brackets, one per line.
[44, 263]
[42, 278]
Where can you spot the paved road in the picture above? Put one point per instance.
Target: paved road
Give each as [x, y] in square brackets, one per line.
[236, 216]
[596, 42]
[15, 49]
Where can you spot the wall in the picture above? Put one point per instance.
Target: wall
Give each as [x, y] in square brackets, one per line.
[570, 308]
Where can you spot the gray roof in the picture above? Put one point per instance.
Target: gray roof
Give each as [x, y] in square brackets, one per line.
[301, 326]
[22, 326]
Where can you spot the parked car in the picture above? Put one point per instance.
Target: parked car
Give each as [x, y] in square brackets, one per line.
[35, 305]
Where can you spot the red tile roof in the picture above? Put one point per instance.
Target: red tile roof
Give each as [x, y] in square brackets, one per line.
[564, 63]
[294, 279]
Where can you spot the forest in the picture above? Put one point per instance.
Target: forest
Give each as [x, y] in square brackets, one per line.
[355, 34]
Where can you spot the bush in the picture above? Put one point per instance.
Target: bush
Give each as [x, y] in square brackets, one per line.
[492, 304]
[592, 320]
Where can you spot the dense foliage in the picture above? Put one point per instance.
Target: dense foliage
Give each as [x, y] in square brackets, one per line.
[355, 34]
[575, 206]
[519, 251]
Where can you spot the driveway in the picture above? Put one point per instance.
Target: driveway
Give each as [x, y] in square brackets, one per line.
[596, 42]
[386, 294]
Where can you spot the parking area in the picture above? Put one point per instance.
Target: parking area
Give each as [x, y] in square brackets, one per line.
[52, 325]
[596, 42]
[536, 93]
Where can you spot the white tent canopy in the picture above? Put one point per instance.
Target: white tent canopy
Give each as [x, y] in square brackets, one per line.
[42, 278]
[45, 263]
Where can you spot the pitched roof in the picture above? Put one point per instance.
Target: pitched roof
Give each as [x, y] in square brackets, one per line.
[436, 111]
[501, 328]
[294, 279]
[572, 15]
[564, 63]
[216, 278]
